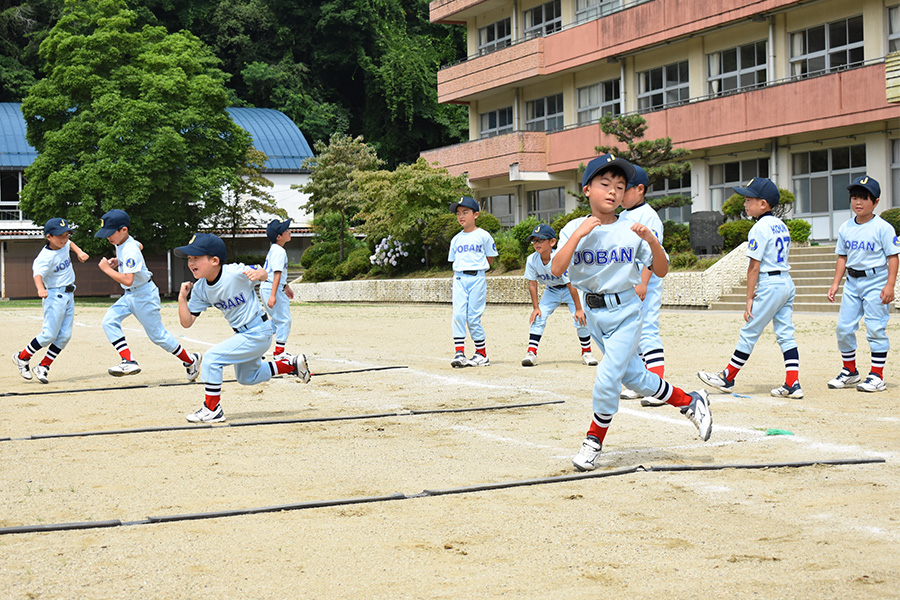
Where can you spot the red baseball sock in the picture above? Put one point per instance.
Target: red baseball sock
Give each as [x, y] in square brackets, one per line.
[278, 349]
[283, 367]
[731, 372]
[679, 397]
[211, 402]
[876, 370]
[598, 432]
[125, 353]
[184, 356]
[25, 355]
[659, 370]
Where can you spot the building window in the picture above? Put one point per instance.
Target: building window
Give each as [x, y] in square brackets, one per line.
[502, 207]
[736, 69]
[544, 114]
[494, 37]
[827, 47]
[821, 178]
[546, 205]
[497, 122]
[894, 29]
[664, 86]
[543, 20]
[597, 100]
[724, 178]
[10, 185]
[672, 187]
[585, 10]
[895, 173]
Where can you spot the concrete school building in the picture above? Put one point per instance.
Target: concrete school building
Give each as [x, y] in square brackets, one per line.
[20, 240]
[806, 93]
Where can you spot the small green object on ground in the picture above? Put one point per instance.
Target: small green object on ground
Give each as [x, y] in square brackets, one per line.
[779, 432]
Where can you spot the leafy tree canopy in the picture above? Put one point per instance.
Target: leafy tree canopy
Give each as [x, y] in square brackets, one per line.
[128, 117]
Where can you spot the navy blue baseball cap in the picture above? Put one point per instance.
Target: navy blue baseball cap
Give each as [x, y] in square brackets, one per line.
[203, 244]
[56, 226]
[542, 232]
[276, 227]
[466, 202]
[113, 221]
[760, 187]
[603, 162]
[640, 178]
[868, 184]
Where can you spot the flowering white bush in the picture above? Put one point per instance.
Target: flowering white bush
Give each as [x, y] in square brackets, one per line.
[389, 252]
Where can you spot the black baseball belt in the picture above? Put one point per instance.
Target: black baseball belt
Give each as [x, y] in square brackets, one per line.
[558, 287]
[599, 300]
[862, 273]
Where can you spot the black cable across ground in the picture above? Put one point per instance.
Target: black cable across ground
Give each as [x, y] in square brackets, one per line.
[206, 426]
[180, 383]
[425, 494]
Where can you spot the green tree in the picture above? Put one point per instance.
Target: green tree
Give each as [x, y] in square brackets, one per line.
[658, 157]
[401, 203]
[23, 25]
[128, 118]
[331, 184]
[247, 202]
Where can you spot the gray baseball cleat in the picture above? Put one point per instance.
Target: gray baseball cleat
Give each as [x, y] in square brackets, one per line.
[22, 365]
[698, 413]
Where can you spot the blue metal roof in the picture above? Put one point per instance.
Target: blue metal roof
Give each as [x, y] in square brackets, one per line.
[14, 150]
[275, 135]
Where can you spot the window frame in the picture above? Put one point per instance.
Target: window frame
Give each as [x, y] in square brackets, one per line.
[724, 189]
[740, 72]
[800, 62]
[646, 93]
[547, 121]
[534, 207]
[835, 179]
[498, 129]
[498, 42]
[546, 26]
[593, 111]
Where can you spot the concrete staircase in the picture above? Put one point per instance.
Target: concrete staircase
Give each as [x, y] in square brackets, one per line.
[812, 269]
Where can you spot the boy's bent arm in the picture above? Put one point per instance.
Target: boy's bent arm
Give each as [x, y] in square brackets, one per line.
[125, 279]
[839, 269]
[887, 294]
[39, 284]
[81, 254]
[184, 315]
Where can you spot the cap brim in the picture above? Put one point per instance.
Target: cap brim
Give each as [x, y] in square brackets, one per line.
[106, 232]
[189, 250]
[746, 192]
[621, 163]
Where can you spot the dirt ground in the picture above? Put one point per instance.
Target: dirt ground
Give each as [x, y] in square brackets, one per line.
[789, 532]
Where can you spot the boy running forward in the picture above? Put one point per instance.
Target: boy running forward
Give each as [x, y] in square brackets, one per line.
[604, 256]
[867, 249]
[54, 279]
[557, 291]
[770, 291]
[649, 290]
[472, 253]
[229, 288]
[274, 292]
[140, 298]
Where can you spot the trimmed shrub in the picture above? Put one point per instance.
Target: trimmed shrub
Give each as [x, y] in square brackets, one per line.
[676, 237]
[682, 260]
[799, 228]
[318, 272]
[735, 233]
[486, 221]
[509, 251]
[892, 216]
[357, 264]
[522, 230]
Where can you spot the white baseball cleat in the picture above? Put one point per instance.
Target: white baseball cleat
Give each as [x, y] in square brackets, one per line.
[588, 359]
[652, 401]
[873, 383]
[844, 379]
[459, 361]
[788, 392]
[627, 394]
[698, 413]
[530, 360]
[193, 368]
[301, 369]
[586, 459]
[126, 367]
[204, 415]
[717, 380]
[40, 371]
[479, 360]
[22, 365]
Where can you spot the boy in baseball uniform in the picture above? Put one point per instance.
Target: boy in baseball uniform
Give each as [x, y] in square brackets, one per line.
[472, 252]
[274, 291]
[604, 255]
[557, 291]
[229, 288]
[770, 291]
[649, 290]
[867, 249]
[140, 298]
[54, 279]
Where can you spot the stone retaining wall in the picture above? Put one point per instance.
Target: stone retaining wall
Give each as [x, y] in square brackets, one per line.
[686, 289]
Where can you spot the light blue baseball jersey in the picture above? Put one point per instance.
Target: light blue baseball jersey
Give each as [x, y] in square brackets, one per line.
[469, 251]
[131, 260]
[645, 214]
[867, 246]
[276, 260]
[232, 293]
[54, 267]
[536, 270]
[769, 242]
[607, 260]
